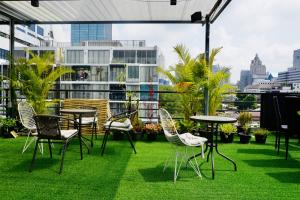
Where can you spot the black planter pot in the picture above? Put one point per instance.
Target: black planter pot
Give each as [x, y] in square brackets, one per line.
[260, 139]
[226, 138]
[245, 138]
[5, 132]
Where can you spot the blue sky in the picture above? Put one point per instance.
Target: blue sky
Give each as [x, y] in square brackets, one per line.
[269, 28]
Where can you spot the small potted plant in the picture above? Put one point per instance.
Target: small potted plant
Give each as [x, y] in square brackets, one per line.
[7, 125]
[227, 132]
[261, 135]
[151, 130]
[244, 120]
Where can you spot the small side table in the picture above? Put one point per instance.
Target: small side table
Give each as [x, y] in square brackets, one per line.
[214, 122]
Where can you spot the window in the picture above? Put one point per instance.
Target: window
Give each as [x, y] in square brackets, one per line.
[151, 94]
[151, 57]
[40, 31]
[141, 57]
[75, 56]
[117, 73]
[98, 57]
[117, 92]
[133, 74]
[118, 56]
[130, 56]
[149, 74]
[99, 73]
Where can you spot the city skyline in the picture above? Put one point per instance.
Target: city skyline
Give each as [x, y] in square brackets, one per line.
[268, 28]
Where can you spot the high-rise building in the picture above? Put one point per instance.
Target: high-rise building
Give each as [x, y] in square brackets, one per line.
[245, 79]
[292, 75]
[257, 70]
[111, 68]
[90, 32]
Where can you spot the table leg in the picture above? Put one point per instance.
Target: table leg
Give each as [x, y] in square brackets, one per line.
[82, 141]
[234, 164]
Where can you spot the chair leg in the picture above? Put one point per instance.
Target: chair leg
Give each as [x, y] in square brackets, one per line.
[27, 142]
[276, 139]
[131, 142]
[286, 145]
[62, 157]
[278, 144]
[34, 154]
[93, 132]
[50, 148]
[80, 146]
[104, 142]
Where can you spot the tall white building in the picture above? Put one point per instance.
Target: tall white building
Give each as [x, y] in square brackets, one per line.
[108, 66]
[292, 75]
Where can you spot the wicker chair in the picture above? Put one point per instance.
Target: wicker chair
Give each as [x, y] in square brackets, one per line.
[180, 140]
[120, 122]
[48, 128]
[26, 114]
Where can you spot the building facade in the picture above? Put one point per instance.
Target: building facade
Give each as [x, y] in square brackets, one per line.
[111, 70]
[292, 75]
[90, 32]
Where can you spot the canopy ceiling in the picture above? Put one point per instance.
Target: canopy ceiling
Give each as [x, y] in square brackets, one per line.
[109, 11]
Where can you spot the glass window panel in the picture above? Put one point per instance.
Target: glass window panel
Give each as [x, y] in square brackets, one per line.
[149, 74]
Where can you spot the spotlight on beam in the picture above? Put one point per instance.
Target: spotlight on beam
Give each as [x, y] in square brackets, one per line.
[35, 3]
[173, 2]
[196, 17]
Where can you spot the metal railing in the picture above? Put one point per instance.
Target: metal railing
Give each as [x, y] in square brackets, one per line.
[149, 103]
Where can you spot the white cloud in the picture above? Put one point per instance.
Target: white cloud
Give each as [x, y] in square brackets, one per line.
[269, 28]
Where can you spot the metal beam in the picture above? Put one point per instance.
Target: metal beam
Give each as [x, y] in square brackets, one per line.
[11, 63]
[207, 40]
[220, 11]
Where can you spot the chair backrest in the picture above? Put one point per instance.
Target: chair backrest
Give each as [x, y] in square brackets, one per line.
[26, 113]
[169, 127]
[277, 112]
[48, 126]
[292, 106]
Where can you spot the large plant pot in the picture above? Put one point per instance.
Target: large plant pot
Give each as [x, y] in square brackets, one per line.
[245, 138]
[226, 138]
[261, 139]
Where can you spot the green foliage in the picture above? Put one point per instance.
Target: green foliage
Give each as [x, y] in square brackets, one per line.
[190, 76]
[261, 131]
[170, 101]
[228, 129]
[35, 78]
[7, 123]
[245, 101]
[244, 118]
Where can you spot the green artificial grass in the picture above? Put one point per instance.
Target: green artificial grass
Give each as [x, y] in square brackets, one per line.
[120, 174]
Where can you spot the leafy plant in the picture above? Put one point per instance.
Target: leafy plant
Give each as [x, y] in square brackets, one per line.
[7, 123]
[244, 102]
[244, 118]
[36, 77]
[190, 76]
[228, 129]
[152, 129]
[261, 131]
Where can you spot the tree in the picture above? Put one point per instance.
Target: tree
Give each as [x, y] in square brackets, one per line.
[245, 101]
[35, 77]
[191, 75]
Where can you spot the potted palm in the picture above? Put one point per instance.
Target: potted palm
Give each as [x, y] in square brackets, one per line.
[244, 121]
[7, 125]
[260, 135]
[227, 133]
[152, 130]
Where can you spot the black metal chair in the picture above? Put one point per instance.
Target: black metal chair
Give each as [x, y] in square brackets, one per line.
[119, 122]
[281, 128]
[48, 129]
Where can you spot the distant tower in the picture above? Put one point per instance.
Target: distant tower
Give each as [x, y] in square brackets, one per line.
[256, 67]
[296, 59]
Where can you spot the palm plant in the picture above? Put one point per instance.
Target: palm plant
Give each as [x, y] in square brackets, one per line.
[35, 78]
[191, 75]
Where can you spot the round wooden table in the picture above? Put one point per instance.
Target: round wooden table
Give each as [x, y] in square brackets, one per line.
[214, 122]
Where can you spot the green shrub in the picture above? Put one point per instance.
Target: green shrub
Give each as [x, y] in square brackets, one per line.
[228, 129]
[261, 131]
